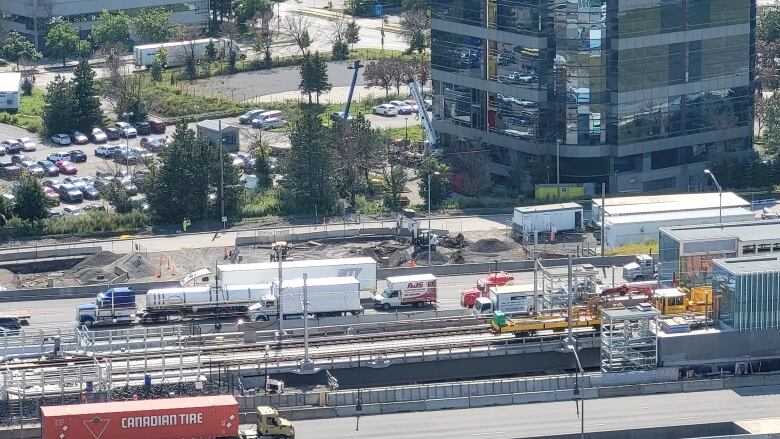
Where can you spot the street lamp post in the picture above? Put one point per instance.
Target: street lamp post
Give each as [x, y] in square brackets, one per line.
[221, 177]
[558, 166]
[127, 117]
[720, 196]
[429, 215]
[578, 388]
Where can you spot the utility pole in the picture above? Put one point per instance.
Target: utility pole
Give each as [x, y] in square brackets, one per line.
[279, 292]
[221, 176]
[306, 360]
[429, 215]
[569, 291]
[536, 277]
[127, 117]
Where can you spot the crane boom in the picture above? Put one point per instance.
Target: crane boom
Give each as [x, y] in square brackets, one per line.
[423, 112]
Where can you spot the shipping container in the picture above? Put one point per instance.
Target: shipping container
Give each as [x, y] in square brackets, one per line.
[363, 269]
[203, 417]
[547, 218]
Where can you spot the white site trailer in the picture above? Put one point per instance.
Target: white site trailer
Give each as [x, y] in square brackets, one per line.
[176, 51]
[547, 218]
[326, 296]
[364, 269]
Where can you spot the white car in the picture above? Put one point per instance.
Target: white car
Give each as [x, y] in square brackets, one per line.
[125, 129]
[274, 122]
[403, 107]
[61, 139]
[27, 144]
[386, 110]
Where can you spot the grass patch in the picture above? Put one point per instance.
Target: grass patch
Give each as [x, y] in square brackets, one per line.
[370, 207]
[171, 101]
[90, 223]
[485, 202]
[263, 204]
[30, 114]
[650, 246]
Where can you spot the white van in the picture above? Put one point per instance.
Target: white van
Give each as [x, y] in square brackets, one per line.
[272, 114]
[274, 122]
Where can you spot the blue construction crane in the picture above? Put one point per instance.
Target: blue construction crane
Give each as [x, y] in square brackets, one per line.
[356, 67]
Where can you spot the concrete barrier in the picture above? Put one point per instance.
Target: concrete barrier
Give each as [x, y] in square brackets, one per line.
[447, 403]
[652, 389]
[529, 397]
[564, 395]
[301, 413]
[607, 392]
[488, 400]
[400, 407]
[699, 386]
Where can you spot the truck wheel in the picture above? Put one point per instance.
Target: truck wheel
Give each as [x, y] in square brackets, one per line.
[261, 319]
[419, 304]
[386, 307]
[639, 278]
[88, 323]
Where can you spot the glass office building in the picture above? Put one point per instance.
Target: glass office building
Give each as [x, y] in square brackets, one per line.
[748, 292]
[637, 94]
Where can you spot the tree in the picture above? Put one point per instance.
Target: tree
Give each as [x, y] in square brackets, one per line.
[154, 25]
[472, 162]
[314, 76]
[358, 7]
[117, 197]
[188, 173]
[400, 71]
[112, 28]
[440, 185]
[87, 112]
[338, 39]
[219, 10]
[16, 48]
[211, 52]
[416, 5]
[357, 150]
[58, 106]
[62, 40]
[248, 10]
[395, 178]
[377, 74]
[29, 199]
[295, 27]
[352, 33]
[421, 66]
[158, 64]
[772, 132]
[263, 43]
[308, 181]
[415, 30]
[263, 170]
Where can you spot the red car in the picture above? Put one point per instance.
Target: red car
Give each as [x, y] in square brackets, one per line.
[66, 167]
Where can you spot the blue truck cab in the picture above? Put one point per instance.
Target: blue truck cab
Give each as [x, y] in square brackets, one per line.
[115, 305]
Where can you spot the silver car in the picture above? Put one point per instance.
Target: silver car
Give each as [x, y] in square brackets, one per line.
[27, 144]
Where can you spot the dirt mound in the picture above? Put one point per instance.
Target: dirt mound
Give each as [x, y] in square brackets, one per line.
[421, 258]
[93, 269]
[97, 260]
[489, 245]
[8, 280]
[136, 265]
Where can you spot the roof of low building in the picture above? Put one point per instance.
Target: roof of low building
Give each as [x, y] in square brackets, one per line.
[548, 207]
[670, 203]
[213, 125]
[754, 264]
[10, 81]
[707, 216]
[744, 231]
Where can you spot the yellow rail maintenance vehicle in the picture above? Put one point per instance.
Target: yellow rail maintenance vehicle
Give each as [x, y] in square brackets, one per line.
[502, 324]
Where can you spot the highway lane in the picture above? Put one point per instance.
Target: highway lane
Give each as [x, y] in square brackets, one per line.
[62, 312]
[519, 421]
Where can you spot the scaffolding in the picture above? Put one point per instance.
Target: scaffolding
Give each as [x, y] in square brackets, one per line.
[555, 286]
[628, 339]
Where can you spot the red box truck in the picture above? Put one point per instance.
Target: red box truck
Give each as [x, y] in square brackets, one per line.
[203, 417]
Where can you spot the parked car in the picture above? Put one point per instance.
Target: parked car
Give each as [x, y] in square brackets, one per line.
[89, 191]
[257, 122]
[106, 151]
[79, 138]
[129, 186]
[52, 197]
[385, 110]
[61, 139]
[27, 144]
[98, 136]
[49, 167]
[125, 129]
[72, 210]
[274, 122]
[403, 107]
[249, 116]
[125, 156]
[66, 167]
[112, 133]
[69, 193]
[236, 161]
[33, 169]
[143, 154]
[11, 146]
[155, 144]
[18, 159]
[57, 156]
[158, 127]
[143, 128]
[338, 115]
[77, 156]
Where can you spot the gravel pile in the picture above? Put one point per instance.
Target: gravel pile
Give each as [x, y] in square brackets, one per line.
[489, 245]
[93, 269]
[136, 265]
[421, 258]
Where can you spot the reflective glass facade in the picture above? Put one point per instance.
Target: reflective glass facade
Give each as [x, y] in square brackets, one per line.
[747, 301]
[640, 94]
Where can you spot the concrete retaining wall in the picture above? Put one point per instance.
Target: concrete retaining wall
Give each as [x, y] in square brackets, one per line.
[85, 291]
[30, 254]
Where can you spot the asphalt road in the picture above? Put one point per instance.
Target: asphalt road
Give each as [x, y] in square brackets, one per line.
[61, 313]
[519, 421]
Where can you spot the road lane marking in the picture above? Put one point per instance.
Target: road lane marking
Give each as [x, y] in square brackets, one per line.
[682, 418]
[487, 433]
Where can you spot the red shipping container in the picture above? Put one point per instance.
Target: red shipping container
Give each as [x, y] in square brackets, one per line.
[203, 417]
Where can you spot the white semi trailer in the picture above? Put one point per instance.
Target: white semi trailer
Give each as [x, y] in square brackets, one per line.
[326, 296]
[363, 269]
[176, 51]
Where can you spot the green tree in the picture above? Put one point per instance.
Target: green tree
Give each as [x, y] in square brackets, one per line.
[112, 28]
[357, 150]
[210, 54]
[29, 199]
[352, 33]
[87, 112]
[117, 197]
[247, 10]
[263, 170]
[308, 181]
[395, 179]
[415, 30]
[154, 24]
[188, 173]
[158, 64]
[340, 51]
[359, 7]
[772, 131]
[16, 48]
[263, 43]
[440, 185]
[314, 76]
[63, 40]
[6, 210]
[58, 106]
[768, 25]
